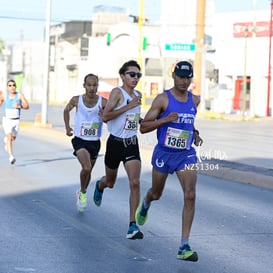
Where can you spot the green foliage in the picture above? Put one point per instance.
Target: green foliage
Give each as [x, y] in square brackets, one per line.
[2, 45]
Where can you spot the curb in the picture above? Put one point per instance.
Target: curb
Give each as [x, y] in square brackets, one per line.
[235, 175]
[239, 172]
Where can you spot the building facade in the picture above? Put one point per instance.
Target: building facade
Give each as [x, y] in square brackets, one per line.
[235, 56]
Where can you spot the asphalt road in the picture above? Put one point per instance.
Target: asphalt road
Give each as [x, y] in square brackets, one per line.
[41, 230]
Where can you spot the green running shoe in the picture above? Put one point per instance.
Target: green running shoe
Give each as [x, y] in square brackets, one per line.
[141, 214]
[81, 200]
[185, 253]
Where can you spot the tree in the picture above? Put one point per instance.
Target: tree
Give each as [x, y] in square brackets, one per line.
[2, 45]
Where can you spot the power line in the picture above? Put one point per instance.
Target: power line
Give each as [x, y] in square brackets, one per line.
[34, 19]
[71, 19]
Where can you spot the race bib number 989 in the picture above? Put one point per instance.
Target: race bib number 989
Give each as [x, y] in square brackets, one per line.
[90, 129]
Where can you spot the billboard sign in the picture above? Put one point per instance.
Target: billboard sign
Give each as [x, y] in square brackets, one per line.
[246, 29]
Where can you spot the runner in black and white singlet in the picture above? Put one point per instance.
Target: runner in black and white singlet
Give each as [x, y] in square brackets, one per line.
[87, 132]
[122, 114]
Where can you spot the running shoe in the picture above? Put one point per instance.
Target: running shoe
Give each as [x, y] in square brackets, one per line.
[141, 214]
[185, 253]
[134, 232]
[81, 200]
[12, 159]
[97, 194]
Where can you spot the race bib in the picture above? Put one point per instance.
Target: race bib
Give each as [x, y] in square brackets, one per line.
[90, 129]
[131, 121]
[12, 113]
[178, 139]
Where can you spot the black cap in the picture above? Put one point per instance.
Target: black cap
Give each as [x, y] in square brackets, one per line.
[184, 69]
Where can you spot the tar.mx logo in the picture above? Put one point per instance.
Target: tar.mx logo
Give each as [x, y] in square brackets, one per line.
[207, 160]
[206, 155]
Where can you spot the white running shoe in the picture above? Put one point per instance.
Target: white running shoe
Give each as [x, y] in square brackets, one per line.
[12, 159]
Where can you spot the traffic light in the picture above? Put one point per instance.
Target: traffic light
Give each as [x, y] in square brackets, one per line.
[216, 75]
[144, 43]
[108, 37]
[84, 46]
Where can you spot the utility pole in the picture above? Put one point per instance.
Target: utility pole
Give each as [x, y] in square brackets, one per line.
[199, 42]
[268, 109]
[46, 64]
[253, 82]
[246, 32]
[141, 60]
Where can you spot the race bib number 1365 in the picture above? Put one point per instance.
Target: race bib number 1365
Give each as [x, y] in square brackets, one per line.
[177, 138]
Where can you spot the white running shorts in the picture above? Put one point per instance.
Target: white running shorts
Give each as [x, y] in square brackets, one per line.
[10, 126]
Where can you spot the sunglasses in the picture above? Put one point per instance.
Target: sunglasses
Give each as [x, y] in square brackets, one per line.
[11, 85]
[133, 74]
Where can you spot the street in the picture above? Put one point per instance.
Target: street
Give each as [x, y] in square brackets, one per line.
[246, 142]
[41, 231]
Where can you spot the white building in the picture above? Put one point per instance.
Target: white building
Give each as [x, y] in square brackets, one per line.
[241, 40]
[24, 62]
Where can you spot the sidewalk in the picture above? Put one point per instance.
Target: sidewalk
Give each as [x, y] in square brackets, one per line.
[239, 172]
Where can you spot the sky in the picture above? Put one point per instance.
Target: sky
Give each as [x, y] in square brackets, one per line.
[25, 19]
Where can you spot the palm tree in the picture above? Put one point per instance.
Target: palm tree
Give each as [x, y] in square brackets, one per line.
[2, 45]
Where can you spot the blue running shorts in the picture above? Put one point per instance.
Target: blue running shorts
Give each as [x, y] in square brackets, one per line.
[169, 161]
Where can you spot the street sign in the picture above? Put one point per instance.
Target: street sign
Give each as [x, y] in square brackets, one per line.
[177, 46]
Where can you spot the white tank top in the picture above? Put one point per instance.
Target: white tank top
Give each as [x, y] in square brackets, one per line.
[125, 125]
[88, 123]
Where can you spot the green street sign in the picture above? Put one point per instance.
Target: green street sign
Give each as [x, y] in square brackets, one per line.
[183, 47]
